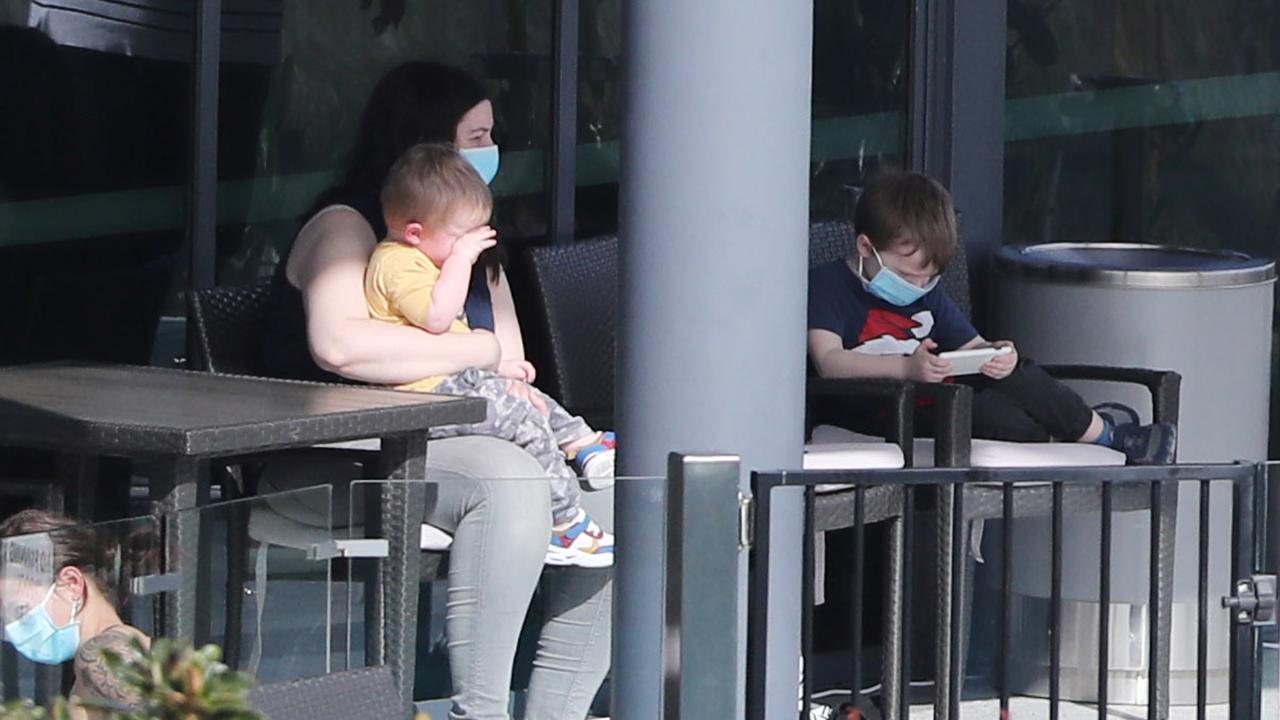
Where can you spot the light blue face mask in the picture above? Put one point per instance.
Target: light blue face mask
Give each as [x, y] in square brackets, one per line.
[484, 160]
[37, 639]
[891, 287]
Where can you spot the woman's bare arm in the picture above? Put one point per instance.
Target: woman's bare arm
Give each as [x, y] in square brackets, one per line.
[327, 263]
[505, 323]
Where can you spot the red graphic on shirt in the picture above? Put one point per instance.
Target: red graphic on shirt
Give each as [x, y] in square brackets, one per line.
[887, 333]
[882, 323]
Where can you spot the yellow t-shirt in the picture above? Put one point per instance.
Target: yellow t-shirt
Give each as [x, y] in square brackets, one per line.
[397, 289]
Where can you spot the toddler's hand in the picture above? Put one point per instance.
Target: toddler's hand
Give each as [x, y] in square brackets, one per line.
[517, 370]
[473, 242]
[924, 366]
[999, 367]
[525, 391]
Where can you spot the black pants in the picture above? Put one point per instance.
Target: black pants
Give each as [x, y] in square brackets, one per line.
[1026, 406]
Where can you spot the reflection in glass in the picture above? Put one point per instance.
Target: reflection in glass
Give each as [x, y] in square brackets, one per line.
[295, 116]
[270, 597]
[1155, 122]
[93, 132]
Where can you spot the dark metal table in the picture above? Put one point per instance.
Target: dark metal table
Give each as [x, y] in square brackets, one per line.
[171, 420]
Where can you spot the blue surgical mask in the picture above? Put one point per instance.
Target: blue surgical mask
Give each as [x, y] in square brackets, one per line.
[484, 160]
[891, 287]
[37, 639]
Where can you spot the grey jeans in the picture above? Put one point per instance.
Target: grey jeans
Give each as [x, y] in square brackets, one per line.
[515, 419]
[496, 501]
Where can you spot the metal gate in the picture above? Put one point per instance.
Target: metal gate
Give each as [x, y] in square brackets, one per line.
[930, 516]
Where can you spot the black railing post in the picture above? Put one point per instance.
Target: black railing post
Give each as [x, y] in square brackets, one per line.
[806, 607]
[856, 589]
[1055, 604]
[1104, 605]
[762, 485]
[1006, 594]
[908, 590]
[955, 639]
[1202, 609]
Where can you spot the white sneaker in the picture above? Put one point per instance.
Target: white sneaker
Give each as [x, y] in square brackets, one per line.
[598, 462]
[582, 544]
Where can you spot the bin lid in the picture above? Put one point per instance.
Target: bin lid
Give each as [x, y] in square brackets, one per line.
[1134, 265]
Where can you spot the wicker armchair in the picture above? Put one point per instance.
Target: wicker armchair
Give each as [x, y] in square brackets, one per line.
[228, 323]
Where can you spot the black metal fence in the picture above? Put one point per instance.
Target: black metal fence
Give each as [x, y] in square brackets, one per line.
[930, 513]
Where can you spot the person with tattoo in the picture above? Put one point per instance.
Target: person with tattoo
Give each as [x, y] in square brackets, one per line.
[74, 616]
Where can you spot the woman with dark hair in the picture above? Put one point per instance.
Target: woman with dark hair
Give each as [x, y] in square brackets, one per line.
[319, 328]
[59, 581]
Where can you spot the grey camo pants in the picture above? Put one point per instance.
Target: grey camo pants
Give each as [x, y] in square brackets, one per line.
[512, 418]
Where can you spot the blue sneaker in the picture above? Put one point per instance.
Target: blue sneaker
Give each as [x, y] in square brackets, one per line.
[584, 544]
[1154, 444]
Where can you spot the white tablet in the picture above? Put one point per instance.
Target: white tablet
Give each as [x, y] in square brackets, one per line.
[969, 362]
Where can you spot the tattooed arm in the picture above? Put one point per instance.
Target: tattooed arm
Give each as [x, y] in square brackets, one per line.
[96, 681]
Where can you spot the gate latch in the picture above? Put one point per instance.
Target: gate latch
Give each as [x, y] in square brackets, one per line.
[1255, 600]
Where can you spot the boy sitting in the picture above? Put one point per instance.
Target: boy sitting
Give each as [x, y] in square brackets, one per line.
[880, 313]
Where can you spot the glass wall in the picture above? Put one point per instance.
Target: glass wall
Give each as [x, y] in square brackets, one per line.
[860, 90]
[1144, 122]
[860, 85]
[93, 161]
[289, 110]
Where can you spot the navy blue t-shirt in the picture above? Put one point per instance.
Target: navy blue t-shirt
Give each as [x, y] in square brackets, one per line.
[839, 302]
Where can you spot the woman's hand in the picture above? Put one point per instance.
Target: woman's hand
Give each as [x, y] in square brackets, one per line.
[473, 242]
[1000, 366]
[525, 391]
[517, 370]
[924, 366]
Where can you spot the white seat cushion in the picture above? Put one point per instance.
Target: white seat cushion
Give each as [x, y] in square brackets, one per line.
[851, 456]
[993, 453]
[999, 453]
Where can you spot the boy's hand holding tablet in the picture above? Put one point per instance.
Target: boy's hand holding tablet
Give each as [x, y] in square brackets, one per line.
[995, 360]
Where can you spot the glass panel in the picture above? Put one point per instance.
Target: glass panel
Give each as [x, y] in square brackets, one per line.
[501, 505]
[860, 85]
[1145, 122]
[105, 569]
[93, 136]
[600, 90]
[268, 599]
[295, 83]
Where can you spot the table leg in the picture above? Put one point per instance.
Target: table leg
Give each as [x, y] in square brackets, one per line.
[180, 484]
[403, 507]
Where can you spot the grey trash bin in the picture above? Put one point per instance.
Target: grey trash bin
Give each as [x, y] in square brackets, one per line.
[1204, 314]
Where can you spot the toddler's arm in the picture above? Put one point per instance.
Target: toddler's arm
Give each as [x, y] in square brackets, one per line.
[450, 291]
